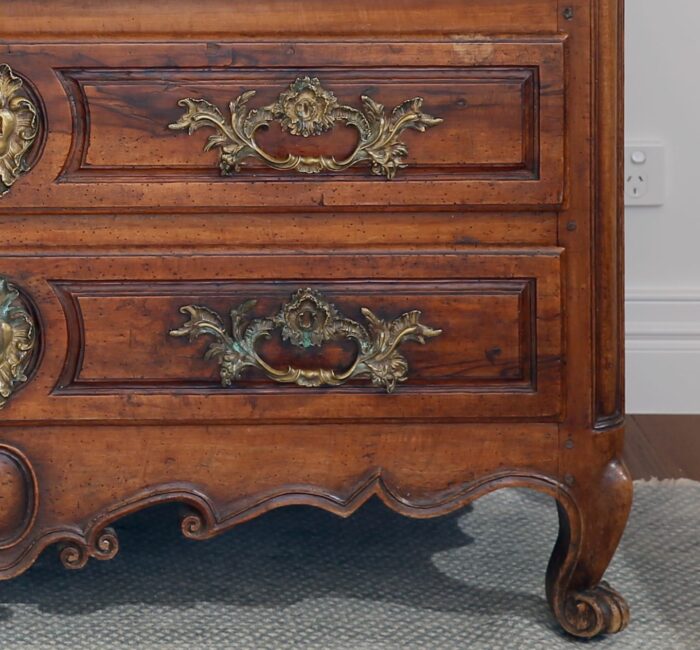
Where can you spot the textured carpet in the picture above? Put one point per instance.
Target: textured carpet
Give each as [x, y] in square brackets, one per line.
[301, 578]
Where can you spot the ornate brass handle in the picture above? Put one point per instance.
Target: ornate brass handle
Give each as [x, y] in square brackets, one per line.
[307, 320]
[307, 109]
[19, 126]
[17, 340]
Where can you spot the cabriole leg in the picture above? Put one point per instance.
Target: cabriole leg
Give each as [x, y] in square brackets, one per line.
[592, 518]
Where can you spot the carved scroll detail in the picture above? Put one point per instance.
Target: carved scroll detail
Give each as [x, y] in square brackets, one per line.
[307, 109]
[103, 546]
[599, 610]
[307, 320]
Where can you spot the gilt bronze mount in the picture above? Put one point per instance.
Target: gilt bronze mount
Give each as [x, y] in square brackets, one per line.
[307, 109]
[305, 321]
[19, 127]
[18, 340]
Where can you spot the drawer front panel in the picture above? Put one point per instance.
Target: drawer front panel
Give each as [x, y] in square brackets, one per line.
[499, 140]
[105, 325]
[128, 108]
[276, 20]
[500, 355]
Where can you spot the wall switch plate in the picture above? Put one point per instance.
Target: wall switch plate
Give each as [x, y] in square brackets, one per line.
[645, 174]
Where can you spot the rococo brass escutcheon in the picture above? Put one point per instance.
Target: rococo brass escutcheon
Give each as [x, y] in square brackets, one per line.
[307, 109]
[17, 340]
[19, 126]
[307, 320]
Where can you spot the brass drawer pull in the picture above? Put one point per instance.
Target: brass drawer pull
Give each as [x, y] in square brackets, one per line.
[17, 340]
[307, 320]
[307, 109]
[19, 126]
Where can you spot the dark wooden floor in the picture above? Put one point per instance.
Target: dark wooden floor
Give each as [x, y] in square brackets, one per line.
[663, 446]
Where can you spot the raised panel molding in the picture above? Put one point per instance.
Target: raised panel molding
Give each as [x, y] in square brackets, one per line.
[503, 358]
[501, 142]
[465, 98]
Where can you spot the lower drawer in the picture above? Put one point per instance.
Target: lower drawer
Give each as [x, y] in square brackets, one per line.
[298, 337]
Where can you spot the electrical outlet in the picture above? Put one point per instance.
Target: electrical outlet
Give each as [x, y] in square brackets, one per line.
[636, 185]
[645, 174]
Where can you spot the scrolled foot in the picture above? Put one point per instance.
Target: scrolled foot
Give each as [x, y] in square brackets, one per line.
[600, 610]
[591, 522]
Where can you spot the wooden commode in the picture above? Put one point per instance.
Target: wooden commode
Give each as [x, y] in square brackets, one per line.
[257, 254]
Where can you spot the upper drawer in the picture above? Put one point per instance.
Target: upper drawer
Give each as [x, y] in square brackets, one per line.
[36, 19]
[105, 110]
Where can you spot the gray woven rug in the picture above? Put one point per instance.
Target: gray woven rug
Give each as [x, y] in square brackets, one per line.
[300, 578]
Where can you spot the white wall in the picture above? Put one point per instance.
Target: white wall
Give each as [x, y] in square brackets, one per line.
[663, 243]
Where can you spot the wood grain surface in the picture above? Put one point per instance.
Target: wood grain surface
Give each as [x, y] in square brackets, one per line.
[504, 230]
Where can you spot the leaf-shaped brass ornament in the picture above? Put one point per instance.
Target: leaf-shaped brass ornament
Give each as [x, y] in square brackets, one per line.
[307, 320]
[307, 109]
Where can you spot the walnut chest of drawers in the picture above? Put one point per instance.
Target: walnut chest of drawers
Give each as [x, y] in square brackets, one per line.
[303, 252]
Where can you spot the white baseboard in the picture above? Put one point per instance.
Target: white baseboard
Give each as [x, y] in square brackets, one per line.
[663, 350]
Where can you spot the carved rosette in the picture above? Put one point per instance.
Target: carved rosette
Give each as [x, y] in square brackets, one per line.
[19, 127]
[307, 109]
[307, 320]
[18, 340]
